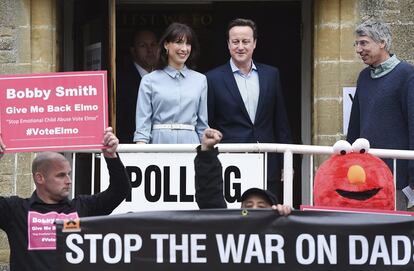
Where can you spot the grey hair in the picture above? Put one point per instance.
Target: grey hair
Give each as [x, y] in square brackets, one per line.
[377, 30]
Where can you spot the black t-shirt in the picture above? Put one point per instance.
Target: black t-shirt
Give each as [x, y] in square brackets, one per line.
[29, 223]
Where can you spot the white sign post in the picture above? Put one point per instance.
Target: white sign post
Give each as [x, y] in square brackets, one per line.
[348, 94]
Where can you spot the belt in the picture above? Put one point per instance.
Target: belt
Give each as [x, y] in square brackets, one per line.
[174, 126]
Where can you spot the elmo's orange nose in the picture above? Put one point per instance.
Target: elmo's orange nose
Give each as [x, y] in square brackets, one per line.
[356, 175]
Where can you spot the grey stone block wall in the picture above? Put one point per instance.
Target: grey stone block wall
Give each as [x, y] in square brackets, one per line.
[8, 52]
[400, 15]
[15, 36]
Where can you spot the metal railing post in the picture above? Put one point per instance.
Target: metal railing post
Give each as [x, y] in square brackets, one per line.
[288, 178]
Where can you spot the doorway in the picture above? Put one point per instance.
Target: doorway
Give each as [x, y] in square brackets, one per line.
[280, 43]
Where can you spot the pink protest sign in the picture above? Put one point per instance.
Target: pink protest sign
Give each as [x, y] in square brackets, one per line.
[54, 111]
[41, 229]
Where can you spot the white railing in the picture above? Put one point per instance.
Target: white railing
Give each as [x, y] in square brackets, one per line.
[287, 149]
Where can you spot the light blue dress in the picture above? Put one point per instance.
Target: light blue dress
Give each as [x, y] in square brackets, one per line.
[171, 96]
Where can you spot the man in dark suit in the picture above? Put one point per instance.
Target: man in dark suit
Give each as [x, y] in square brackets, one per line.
[143, 51]
[245, 99]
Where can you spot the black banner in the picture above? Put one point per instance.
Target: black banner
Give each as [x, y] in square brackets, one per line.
[237, 240]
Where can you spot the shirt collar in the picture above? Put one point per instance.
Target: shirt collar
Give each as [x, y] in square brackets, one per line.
[140, 69]
[174, 73]
[234, 68]
[35, 199]
[385, 67]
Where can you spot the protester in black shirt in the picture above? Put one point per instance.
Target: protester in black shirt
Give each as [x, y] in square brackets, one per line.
[29, 222]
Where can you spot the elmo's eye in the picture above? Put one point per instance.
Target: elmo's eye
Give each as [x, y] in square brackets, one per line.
[361, 145]
[342, 147]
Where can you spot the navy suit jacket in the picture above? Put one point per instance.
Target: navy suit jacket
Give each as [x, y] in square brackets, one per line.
[227, 113]
[127, 86]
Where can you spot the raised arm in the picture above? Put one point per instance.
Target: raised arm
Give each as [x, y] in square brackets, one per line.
[111, 143]
[119, 187]
[208, 172]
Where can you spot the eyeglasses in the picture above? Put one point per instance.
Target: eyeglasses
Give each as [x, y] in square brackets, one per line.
[361, 43]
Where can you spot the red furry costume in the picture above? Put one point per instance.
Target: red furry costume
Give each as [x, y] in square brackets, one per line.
[354, 178]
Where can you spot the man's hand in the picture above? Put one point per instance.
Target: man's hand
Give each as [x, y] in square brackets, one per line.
[210, 138]
[2, 147]
[111, 141]
[282, 209]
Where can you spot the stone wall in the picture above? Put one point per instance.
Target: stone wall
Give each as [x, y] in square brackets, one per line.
[15, 54]
[336, 64]
[400, 16]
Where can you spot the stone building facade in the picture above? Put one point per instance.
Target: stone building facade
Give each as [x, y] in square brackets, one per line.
[29, 44]
[335, 64]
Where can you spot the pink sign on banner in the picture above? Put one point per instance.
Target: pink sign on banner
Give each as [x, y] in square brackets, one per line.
[54, 111]
[41, 229]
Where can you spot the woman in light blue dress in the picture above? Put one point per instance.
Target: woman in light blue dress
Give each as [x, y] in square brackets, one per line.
[172, 100]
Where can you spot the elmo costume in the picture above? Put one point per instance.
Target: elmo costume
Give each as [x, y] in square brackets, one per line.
[353, 178]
